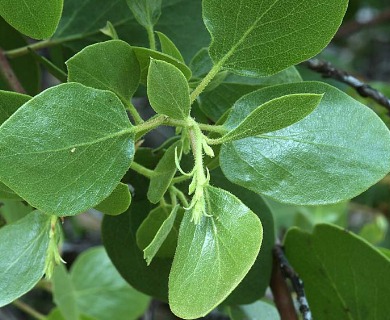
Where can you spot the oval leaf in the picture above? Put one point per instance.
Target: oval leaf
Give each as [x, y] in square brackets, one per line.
[214, 256]
[110, 65]
[164, 240]
[35, 18]
[109, 296]
[168, 90]
[23, 252]
[344, 276]
[302, 164]
[168, 47]
[273, 115]
[258, 38]
[117, 202]
[145, 56]
[163, 174]
[65, 150]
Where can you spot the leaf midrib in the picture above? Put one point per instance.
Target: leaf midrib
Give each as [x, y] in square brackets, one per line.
[118, 134]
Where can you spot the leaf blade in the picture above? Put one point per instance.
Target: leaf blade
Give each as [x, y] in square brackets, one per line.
[57, 156]
[220, 263]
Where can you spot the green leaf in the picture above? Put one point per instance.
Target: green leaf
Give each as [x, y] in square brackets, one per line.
[214, 256]
[24, 67]
[273, 115]
[10, 102]
[146, 12]
[109, 30]
[110, 65]
[117, 202]
[50, 66]
[13, 211]
[151, 225]
[201, 63]
[35, 18]
[55, 314]
[257, 38]
[256, 311]
[163, 173]
[65, 150]
[7, 193]
[344, 276]
[215, 103]
[23, 252]
[64, 294]
[163, 232]
[145, 56]
[302, 163]
[168, 47]
[168, 90]
[119, 238]
[98, 289]
[255, 283]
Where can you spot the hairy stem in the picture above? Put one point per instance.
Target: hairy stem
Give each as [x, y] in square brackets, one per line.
[141, 170]
[133, 111]
[151, 37]
[206, 80]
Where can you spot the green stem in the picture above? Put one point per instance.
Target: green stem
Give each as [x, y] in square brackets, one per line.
[206, 80]
[150, 124]
[213, 128]
[133, 111]
[42, 44]
[151, 37]
[29, 310]
[180, 179]
[180, 196]
[142, 170]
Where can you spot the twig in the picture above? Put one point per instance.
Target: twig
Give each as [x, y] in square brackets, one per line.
[27, 309]
[296, 282]
[281, 293]
[329, 71]
[354, 26]
[9, 75]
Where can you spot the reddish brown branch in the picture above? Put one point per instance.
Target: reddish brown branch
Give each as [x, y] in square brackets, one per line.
[9, 75]
[281, 293]
[354, 26]
[329, 71]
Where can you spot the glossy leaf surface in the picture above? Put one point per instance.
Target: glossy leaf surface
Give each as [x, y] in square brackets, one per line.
[273, 115]
[213, 256]
[13, 211]
[22, 259]
[57, 149]
[163, 174]
[302, 163]
[35, 18]
[117, 202]
[99, 291]
[168, 90]
[146, 12]
[273, 34]
[216, 102]
[110, 65]
[255, 283]
[345, 277]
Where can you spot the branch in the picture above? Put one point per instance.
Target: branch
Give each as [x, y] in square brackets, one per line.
[297, 283]
[329, 71]
[9, 75]
[354, 26]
